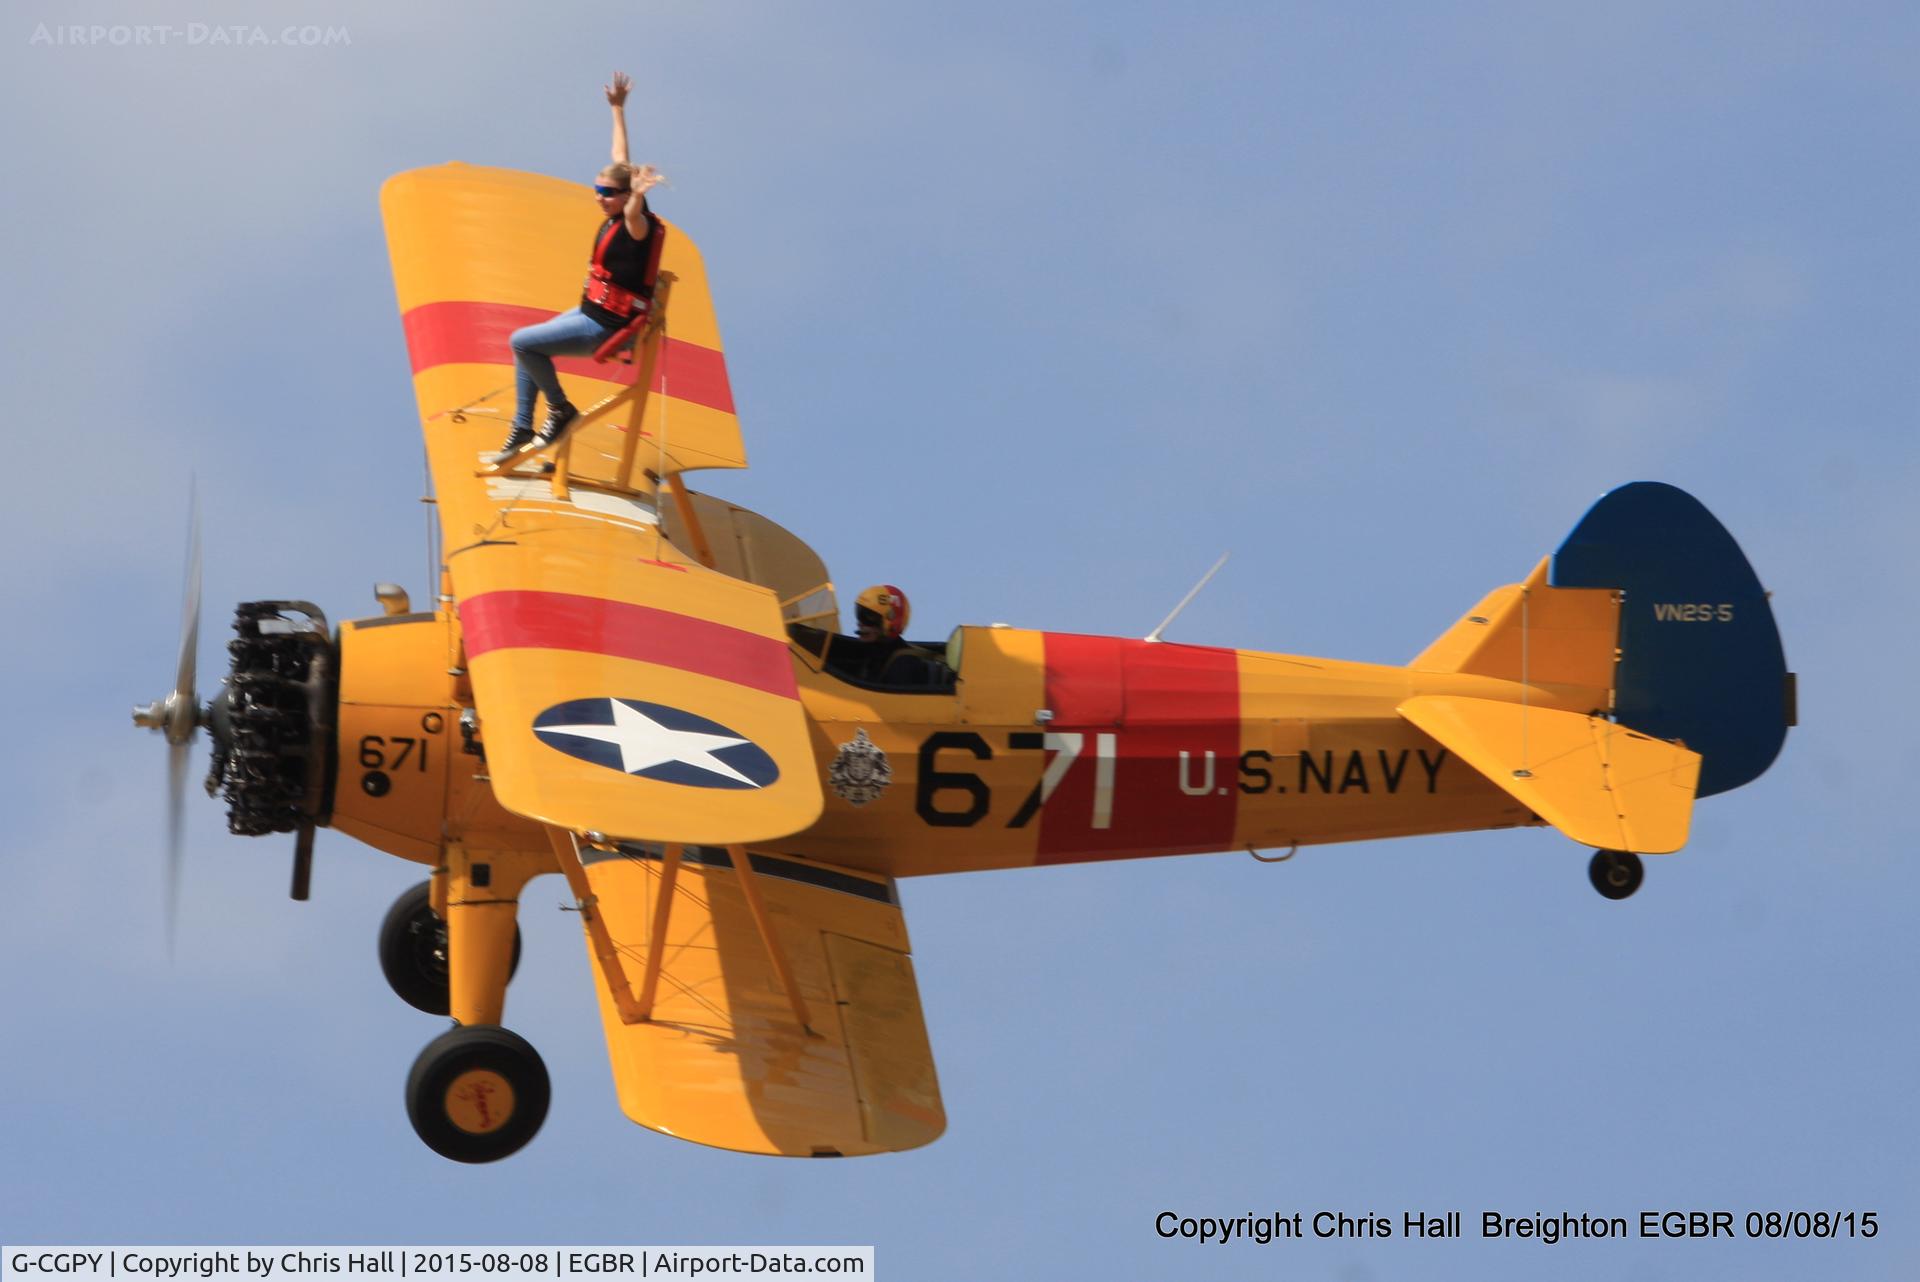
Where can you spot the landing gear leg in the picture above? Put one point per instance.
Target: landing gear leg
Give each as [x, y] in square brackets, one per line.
[478, 1092]
[483, 904]
[1616, 873]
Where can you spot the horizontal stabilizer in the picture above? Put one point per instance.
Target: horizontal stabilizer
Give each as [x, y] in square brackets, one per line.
[1598, 782]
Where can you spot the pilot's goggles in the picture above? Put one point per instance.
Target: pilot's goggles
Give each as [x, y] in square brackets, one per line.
[867, 618]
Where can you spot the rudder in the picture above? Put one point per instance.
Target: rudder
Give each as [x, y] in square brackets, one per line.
[1700, 658]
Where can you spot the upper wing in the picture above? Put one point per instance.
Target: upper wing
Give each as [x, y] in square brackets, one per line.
[623, 690]
[723, 1059]
[621, 687]
[478, 253]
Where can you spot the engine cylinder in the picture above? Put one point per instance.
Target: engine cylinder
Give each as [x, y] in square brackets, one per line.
[273, 721]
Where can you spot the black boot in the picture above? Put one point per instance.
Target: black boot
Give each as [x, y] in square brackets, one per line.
[519, 436]
[557, 419]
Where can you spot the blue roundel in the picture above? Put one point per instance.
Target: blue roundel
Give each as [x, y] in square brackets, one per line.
[653, 741]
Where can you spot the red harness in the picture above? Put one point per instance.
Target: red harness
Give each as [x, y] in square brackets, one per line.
[600, 290]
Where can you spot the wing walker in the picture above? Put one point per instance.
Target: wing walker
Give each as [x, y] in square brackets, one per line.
[642, 688]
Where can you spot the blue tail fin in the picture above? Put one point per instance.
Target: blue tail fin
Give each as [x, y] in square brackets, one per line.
[1700, 657]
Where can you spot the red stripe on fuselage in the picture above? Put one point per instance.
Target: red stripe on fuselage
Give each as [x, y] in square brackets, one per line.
[457, 333]
[508, 620]
[1157, 701]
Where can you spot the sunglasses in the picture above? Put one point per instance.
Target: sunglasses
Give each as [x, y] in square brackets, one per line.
[598, 190]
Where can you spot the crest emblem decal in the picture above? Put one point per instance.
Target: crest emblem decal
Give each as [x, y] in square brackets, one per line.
[860, 771]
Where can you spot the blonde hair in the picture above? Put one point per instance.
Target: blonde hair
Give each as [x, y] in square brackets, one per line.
[622, 175]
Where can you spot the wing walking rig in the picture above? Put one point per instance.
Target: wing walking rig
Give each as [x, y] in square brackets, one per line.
[636, 686]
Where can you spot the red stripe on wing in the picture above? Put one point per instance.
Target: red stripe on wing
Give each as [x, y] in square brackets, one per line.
[508, 620]
[463, 333]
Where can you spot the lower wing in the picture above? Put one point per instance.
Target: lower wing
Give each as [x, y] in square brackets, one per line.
[784, 1018]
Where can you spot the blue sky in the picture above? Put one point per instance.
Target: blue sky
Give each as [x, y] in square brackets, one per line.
[1034, 312]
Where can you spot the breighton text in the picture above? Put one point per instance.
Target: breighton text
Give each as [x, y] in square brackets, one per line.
[1551, 1228]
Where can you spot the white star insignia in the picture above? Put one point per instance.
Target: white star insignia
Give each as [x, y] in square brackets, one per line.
[644, 743]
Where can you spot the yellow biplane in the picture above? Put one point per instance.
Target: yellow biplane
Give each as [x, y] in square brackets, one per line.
[635, 685]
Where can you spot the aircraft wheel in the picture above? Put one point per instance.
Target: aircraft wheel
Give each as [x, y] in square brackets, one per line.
[477, 1094]
[413, 951]
[1616, 873]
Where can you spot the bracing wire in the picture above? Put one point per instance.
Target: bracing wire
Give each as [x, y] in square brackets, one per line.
[1526, 595]
[433, 525]
[660, 363]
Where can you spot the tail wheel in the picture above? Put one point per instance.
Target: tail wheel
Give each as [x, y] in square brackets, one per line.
[478, 1094]
[1616, 873]
[413, 951]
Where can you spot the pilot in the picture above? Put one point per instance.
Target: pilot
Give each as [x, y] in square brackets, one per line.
[617, 289]
[877, 652]
[880, 615]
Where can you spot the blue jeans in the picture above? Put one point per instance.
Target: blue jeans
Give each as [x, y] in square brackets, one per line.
[571, 333]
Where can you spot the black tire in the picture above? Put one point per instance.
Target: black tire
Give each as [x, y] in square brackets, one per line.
[478, 1094]
[1616, 873]
[413, 951]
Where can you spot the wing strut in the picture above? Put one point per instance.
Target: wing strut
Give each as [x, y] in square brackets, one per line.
[691, 519]
[566, 850]
[657, 937]
[750, 888]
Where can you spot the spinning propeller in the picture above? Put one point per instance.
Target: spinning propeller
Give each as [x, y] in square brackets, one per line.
[179, 715]
[271, 724]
